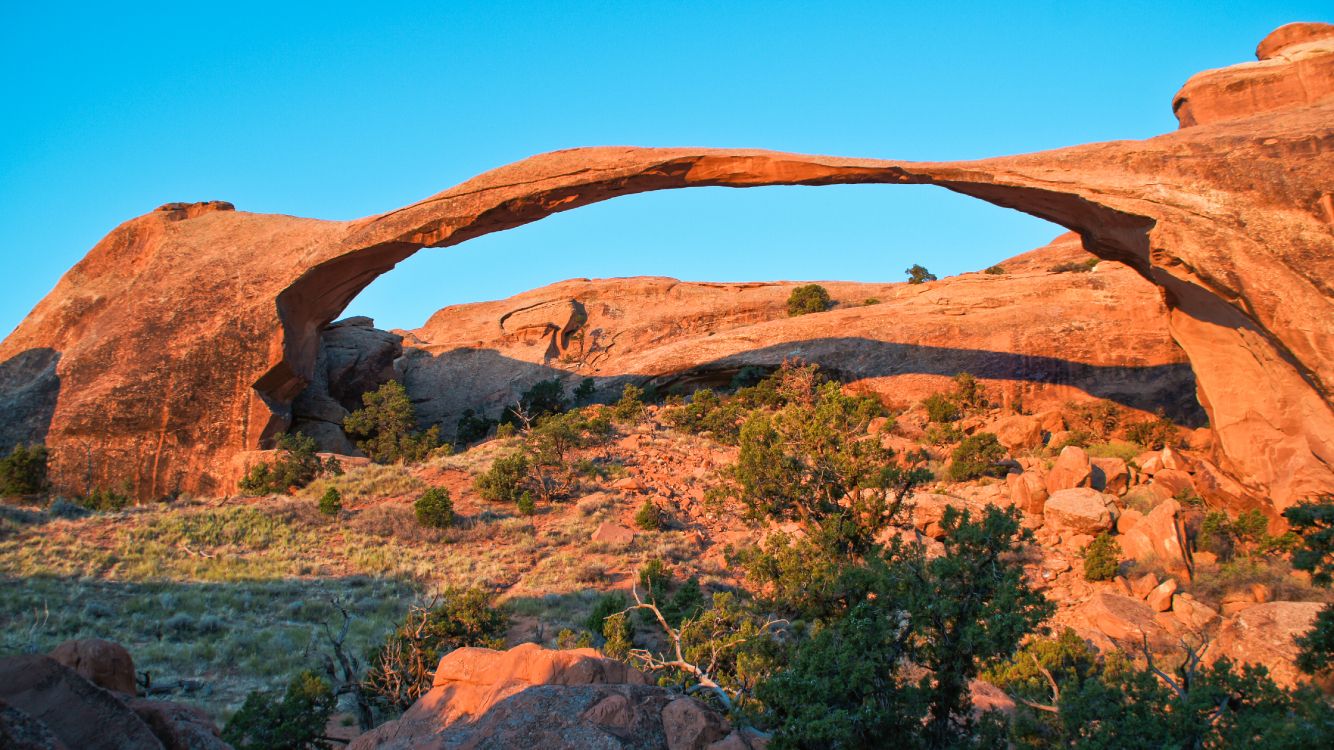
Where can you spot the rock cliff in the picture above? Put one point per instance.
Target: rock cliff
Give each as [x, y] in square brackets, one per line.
[185, 335]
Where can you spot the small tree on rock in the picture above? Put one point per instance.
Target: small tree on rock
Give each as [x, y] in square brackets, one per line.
[806, 299]
[387, 425]
[917, 274]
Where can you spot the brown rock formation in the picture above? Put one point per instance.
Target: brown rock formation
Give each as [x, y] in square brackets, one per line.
[533, 697]
[1034, 336]
[184, 336]
[1295, 67]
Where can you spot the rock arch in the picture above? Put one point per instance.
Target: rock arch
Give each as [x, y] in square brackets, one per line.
[184, 335]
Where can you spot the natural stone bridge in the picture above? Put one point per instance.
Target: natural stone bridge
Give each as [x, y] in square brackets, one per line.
[183, 337]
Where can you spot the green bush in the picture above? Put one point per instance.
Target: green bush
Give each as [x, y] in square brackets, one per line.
[584, 393]
[1075, 266]
[995, 270]
[435, 508]
[504, 482]
[331, 502]
[941, 407]
[103, 500]
[472, 427]
[977, 456]
[294, 722]
[618, 635]
[631, 406]
[386, 427]
[806, 299]
[917, 274]
[1102, 558]
[295, 467]
[1153, 434]
[650, 517]
[546, 397]
[23, 471]
[527, 506]
[401, 668]
[869, 301]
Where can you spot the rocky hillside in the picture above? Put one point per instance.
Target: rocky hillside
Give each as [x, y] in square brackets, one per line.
[1040, 334]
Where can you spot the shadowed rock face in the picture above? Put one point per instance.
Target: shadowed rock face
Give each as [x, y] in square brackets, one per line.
[1036, 337]
[183, 337]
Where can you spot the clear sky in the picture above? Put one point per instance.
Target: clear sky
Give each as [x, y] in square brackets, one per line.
[340, 110]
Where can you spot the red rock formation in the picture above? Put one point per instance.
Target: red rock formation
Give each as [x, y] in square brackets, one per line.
[1034, 335]
[183, 337]
[533, 697]
[1295, 67]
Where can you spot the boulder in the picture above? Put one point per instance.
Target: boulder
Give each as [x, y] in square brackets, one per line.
[531, 697]
[80, 714]
[1128, 519]
[1160, 599]
[19, 731]
[1110, 475]
[1144, 585]
[1172, 483]
[1192, 612]
[178, 726]
[1160, 538]
[1080, 510]
[1264, 635]
[1072, 469]
[1122, 618]
[689, 725]
[613, 533]
[1027, 491]
[1018, 433]
[103, 663]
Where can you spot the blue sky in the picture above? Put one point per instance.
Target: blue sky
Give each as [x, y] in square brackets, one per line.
[337, 111]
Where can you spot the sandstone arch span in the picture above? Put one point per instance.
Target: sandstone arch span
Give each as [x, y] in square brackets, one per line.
[184, 335]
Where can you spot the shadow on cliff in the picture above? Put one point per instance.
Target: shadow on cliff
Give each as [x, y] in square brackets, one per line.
[1169, 388]
[29, 389]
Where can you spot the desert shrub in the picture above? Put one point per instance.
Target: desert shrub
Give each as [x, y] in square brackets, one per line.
[386, 426]
[63, 508]
[1075, 266]
[549, 445]
[504, 481]
[294, 722]
[1102, 558]
[583, 394]
[544, 398]
[567, 639]
[1115, 449]
[618, 635]
[294, 468]
[527, 505]
[806, 299]
[917, 274]
[995, 270]
[1246, 535]
[942, 434]
[435, 508]
[650, 517]
[630, 408]
[100, 500]
[977, 456]
[967, 396]
[849, 685]
[23, 471]
[871, 301]
[331, 502]
[809, 462]
[472, 427]
[1313, 522]
[707, 412]
[401, 668]
[1096, 421]
[506, 430]
[1154, 434]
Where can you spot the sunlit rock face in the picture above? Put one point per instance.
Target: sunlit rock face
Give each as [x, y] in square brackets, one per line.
[184, 336]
